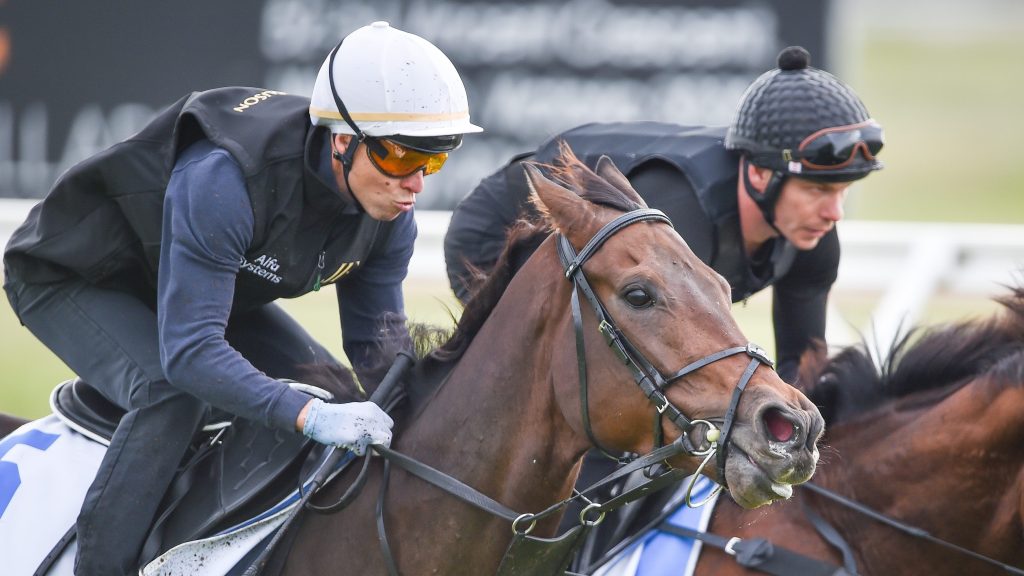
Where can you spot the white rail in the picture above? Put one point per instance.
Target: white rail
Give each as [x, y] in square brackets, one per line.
[906, 262]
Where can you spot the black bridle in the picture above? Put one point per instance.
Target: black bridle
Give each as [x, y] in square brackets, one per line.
[650, 380]
[647, 377]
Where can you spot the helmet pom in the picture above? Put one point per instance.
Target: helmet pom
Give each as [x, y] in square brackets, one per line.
[785, 105]
[794, 58]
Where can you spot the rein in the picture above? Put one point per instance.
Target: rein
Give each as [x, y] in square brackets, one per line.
[521, 557]
[914, 531]
[650, 380]
[764, 556]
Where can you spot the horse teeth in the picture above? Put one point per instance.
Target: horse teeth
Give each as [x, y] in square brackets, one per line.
[784, 490]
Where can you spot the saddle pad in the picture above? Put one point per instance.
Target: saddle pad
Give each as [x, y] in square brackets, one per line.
[220, 553]
[248, 470]
[658, 553]
[45, 470]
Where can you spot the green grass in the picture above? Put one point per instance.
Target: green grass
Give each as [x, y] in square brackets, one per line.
[953, 124]
[31, 370]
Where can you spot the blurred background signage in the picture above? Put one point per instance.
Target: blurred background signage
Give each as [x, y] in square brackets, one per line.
[76, 77]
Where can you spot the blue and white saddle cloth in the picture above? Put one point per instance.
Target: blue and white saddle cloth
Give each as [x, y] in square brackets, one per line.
[659, 553]
[46, 468]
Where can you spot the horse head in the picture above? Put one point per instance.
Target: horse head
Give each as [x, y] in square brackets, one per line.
[934, 438]
[679, 368]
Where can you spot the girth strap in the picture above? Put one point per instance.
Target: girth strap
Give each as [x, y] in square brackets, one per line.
[760, 554]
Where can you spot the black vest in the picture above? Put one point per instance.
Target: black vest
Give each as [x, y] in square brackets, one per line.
[102, 220]
[711, 170]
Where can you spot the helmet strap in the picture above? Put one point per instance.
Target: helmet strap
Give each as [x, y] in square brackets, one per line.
[350, 150]
[360, 136]
[345, 157]
[765, 199]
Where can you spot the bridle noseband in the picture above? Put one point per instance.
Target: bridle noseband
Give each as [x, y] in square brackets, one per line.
[650, 380]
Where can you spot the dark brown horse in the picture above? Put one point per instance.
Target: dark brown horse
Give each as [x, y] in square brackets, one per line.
[9, 424]
[506, 417]
[935, 441]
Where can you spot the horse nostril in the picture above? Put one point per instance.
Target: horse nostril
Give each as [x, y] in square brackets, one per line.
[779, 427]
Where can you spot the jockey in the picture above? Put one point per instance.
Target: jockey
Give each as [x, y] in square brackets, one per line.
[757, 201]
[151, 269]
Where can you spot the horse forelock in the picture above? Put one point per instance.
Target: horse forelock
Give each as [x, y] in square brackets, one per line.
[574, 175]
[944, 356]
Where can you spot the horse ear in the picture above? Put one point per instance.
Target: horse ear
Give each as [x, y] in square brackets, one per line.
[609, 171]
[813, 362]
[565, 211]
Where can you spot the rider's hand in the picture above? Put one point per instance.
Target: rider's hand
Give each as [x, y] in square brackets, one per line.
[353, 426]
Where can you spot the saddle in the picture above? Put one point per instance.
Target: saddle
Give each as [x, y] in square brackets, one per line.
[235, 469]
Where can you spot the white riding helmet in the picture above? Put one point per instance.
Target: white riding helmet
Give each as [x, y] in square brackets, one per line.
[392, 83]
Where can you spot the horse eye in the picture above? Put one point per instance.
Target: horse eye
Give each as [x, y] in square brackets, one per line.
[638, 298]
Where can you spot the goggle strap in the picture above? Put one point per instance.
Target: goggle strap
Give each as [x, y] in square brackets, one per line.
[859, 126]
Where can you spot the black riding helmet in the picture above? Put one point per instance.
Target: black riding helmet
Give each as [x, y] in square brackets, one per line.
[801, 121]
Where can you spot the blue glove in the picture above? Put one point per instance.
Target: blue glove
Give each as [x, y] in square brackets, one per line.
[353, 426]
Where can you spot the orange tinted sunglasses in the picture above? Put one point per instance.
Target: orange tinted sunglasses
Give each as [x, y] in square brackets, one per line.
[398, 161]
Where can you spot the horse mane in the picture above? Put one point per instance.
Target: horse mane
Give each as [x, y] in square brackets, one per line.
[437, 350]
[334, 378]
[939, 359]
[522, 240]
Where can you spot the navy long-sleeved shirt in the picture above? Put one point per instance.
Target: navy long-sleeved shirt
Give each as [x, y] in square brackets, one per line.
[207, 228]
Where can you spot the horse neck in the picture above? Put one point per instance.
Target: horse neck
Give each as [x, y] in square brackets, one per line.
[952, 468]
[495, 423]
[9, 423]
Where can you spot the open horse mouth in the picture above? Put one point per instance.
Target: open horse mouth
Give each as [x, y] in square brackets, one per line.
[765, 459]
